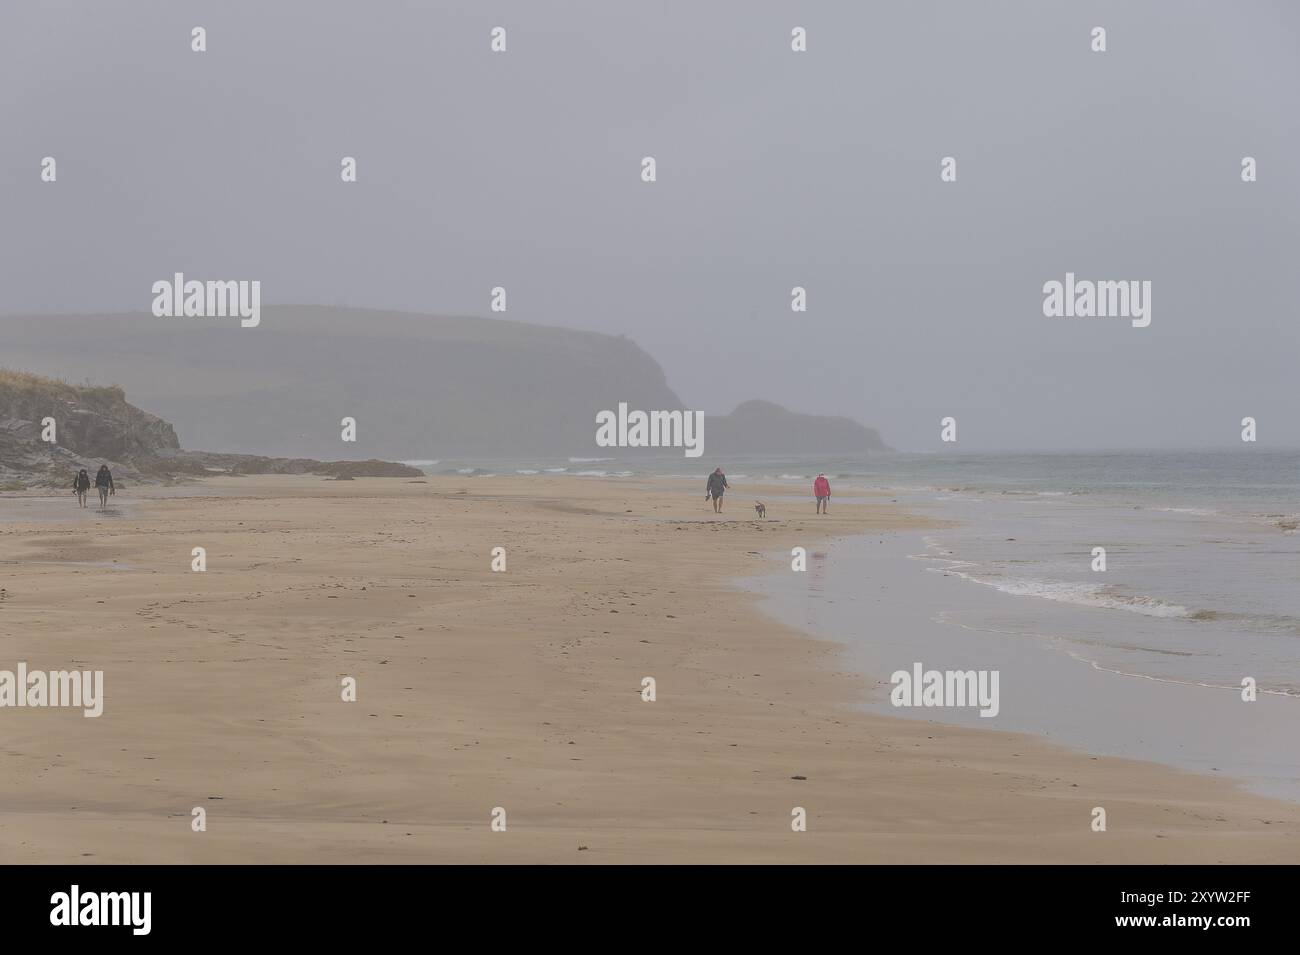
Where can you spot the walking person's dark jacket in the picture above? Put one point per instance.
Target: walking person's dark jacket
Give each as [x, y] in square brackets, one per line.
[81, 482]
[717, 484]
[104, 479]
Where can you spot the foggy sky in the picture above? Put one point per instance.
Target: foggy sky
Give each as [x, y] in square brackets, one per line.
[775, 169]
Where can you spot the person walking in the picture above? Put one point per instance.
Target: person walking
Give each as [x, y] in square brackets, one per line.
[822, 491]
[104, 483]
[716, 487]
[80, 485]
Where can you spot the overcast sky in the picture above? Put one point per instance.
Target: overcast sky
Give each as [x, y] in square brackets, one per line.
[775, 169]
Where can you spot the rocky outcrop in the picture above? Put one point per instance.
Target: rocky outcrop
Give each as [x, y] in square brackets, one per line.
[90, 421]
[89, 426]
[92, 425]
[211, 462]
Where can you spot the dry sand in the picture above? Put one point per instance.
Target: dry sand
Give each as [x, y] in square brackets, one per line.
[519, 689]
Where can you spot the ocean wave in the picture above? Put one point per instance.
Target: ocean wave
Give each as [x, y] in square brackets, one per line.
[527, 471]
[1286, 522]
[906, 488]
[1236, 688]
[1102, 596]
[1264, 622]
[1060, 643]
[587, 460]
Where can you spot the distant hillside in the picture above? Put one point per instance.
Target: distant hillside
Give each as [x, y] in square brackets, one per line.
[760, 427]
[419, 386]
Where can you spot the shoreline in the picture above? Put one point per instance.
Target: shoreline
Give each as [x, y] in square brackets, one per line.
[1048, 690]
[519, 690]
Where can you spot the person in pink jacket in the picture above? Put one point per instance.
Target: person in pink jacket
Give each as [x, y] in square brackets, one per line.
[822, 491]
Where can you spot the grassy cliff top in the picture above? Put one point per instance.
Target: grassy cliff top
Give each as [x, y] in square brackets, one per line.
[26, 384]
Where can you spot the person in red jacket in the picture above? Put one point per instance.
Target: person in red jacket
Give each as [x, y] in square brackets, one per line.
[822, 491]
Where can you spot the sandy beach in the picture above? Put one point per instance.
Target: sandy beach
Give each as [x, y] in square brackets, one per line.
[519, 690]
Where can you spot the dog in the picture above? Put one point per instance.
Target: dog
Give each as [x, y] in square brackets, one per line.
[760, 509]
